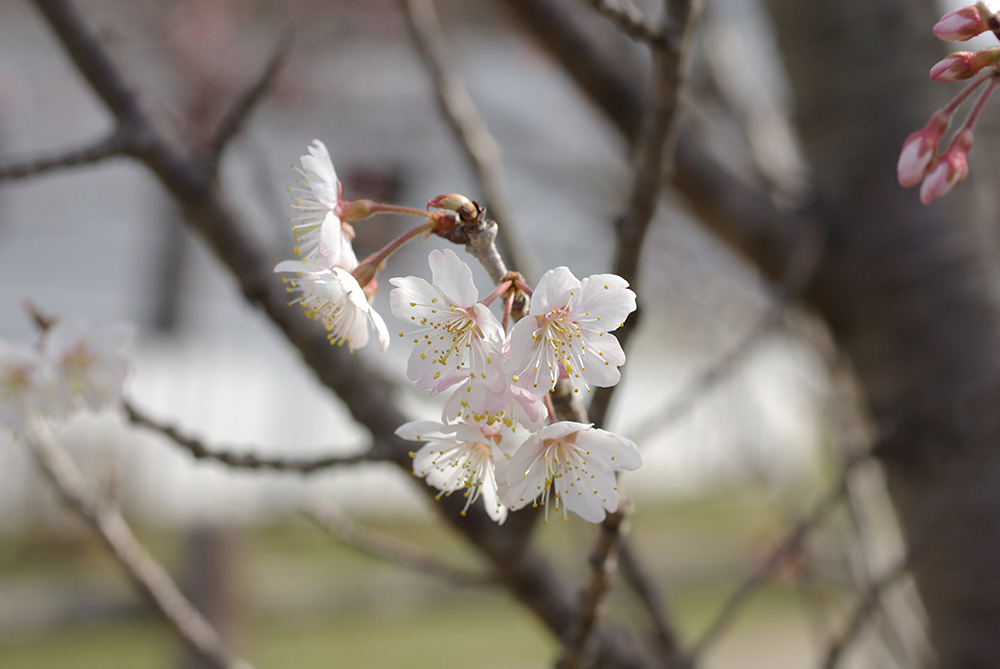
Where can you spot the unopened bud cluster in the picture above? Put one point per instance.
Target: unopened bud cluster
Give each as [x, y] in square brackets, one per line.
[921, 160]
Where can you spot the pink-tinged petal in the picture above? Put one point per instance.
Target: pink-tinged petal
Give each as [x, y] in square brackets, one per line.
[333, 248]
[553, 291]
[615, 452]
[298, 266]
[321, 173]
[588, 504]
[599, 367]
[381, 331]
[453, 278]
[604, 301]
[531, 359]
[422, 430]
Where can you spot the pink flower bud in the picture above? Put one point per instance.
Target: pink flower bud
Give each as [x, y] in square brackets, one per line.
[949, 170]
[960, 24]
[964, 64]
[919, 150]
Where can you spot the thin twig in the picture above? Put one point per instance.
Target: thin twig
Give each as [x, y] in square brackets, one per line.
[789, 547]
[654, 159]
[604, 563]
[643, 587]
[865, 576]
[688, 397]
[865, 608]
[469, 127]
[629, 19]
[390, 548]
[238, 114]
[109, 147]
[367, 394]
[146, 573]
[800, 267]
[237, 460]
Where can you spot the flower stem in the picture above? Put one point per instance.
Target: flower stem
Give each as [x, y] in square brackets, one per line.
[981, 102]
[379, 257]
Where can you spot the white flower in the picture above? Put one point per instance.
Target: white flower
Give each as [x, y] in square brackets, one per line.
[454, 335]
[73, 369]
[334, 297]
[319, 233]
[85, 369]
[472, 399]
[19, 396]
[566, 327]
[576, 462]
[463, 456]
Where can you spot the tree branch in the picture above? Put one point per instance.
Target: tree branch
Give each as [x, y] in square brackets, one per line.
[391, 549]
[147, 574]
[741, 216]
[603, 563]
[367, 395]
[666, 637]
[109, 147]
[236, 460]
[865, 608]
[237, 116]
[629, 19]
[471, 131]
[789, 547]
[653, 161]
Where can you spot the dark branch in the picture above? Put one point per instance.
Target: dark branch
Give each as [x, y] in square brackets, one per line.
[113, 145]
[789, 548]
[868, 605]
[654, 160]
[635, 577]
[238, 460]
[629, 19]
[391, 549]
[237, 116]
[145, 572]
[603, 562]
[469, 127]
[519, 566]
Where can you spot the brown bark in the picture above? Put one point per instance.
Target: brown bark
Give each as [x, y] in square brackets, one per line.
[910, 292]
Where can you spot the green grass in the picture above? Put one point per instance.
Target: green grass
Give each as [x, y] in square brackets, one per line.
[303, 600]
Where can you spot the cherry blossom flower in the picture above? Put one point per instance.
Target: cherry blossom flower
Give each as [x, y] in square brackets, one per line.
[83, 368]
[474, 400]
[567, 328]
[573, 463]
[73, 369]
[462, 456]
[319, 233]
[19, 394]
[455, 336]
[335, 298]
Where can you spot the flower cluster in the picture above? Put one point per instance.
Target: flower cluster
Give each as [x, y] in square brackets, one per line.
[69, 370]
[327, 283]
[492, 441]
[920, 160]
